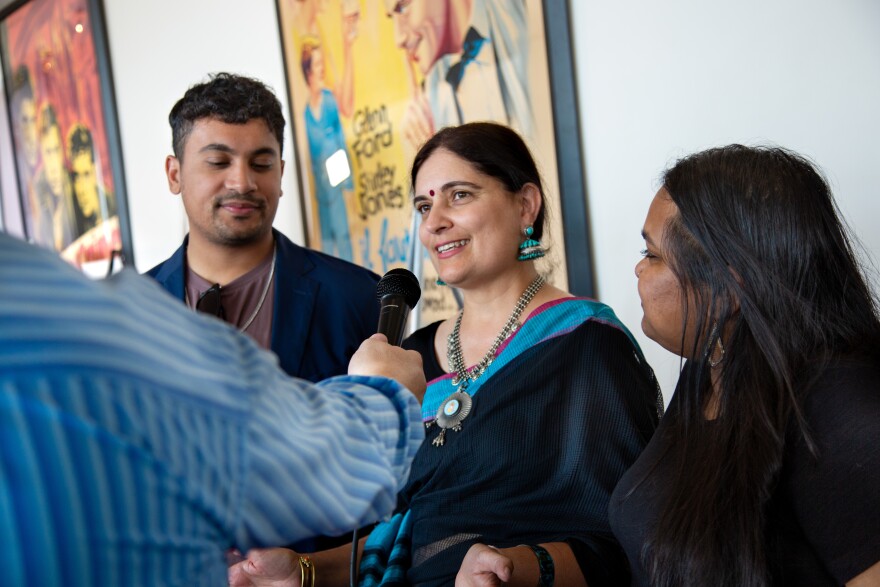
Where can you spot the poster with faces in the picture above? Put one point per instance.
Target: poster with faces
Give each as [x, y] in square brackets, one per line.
[68, 191]
[370, 81]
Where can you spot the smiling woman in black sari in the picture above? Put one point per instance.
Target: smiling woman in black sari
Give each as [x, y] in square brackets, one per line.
[538, 401]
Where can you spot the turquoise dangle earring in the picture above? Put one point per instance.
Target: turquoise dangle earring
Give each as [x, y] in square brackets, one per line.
[440, 282]
[530, 248]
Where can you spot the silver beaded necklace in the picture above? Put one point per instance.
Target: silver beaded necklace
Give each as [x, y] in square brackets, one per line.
[457, 406]
[453, 343]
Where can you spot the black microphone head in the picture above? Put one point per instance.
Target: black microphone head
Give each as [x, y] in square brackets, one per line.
[400, 282]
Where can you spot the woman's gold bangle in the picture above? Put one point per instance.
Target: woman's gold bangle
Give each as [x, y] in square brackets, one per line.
[307, 570]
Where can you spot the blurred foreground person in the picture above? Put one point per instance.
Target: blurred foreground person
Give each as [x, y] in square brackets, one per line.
[141, 440]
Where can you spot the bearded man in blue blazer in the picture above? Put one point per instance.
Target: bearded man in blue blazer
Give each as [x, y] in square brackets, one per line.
[311, 309]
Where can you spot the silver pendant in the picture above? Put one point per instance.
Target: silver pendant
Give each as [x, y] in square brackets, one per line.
[451, 414]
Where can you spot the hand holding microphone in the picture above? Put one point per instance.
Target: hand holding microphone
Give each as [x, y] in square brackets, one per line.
[398, 292]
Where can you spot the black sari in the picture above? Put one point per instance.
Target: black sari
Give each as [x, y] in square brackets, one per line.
[563, 411]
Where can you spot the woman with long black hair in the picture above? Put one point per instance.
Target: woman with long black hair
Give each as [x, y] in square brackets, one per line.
[766, 467]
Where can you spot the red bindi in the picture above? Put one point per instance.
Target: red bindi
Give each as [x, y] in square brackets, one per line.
[431, 193]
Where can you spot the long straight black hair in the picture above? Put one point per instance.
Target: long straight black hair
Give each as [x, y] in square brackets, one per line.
[760, 249]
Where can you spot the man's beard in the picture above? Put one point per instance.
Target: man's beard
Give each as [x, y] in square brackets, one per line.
[228, 233]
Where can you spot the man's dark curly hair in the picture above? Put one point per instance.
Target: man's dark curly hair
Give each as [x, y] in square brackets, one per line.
[230, 98]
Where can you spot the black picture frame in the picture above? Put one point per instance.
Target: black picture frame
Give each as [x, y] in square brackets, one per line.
[569, 152]
[64, 43]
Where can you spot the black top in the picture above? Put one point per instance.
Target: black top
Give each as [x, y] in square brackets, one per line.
[422, 340]
[823, 520]
[546, 441]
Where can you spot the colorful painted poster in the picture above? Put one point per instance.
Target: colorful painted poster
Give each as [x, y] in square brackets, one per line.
[371, 80]
[69, 193]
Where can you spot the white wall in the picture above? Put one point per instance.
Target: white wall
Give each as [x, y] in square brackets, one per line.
[658, 80]
[655, 81]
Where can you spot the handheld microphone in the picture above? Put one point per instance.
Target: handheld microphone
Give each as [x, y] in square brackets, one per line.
[398, 292]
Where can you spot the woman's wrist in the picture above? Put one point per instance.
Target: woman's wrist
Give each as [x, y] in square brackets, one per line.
[525, 566]
[546, 572]
[330, 568]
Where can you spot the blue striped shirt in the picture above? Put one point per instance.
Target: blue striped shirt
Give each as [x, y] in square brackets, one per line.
[139, 440]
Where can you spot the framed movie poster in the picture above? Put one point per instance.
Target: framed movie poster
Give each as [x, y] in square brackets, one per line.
[66, 147]
[370, 80]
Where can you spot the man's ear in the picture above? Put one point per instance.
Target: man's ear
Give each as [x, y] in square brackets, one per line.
[172, 172]
[530, 198]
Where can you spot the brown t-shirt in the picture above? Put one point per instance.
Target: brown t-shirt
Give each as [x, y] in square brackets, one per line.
[241, 298]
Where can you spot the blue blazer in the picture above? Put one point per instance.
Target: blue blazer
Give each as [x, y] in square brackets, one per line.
[324, 307]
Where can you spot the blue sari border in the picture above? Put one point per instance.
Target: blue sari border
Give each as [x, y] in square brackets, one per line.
[550, 320]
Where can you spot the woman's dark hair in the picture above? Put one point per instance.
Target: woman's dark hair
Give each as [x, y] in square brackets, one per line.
[759, 246]
[493, 149]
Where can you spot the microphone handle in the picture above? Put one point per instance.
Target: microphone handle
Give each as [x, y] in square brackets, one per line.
[392, 318]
